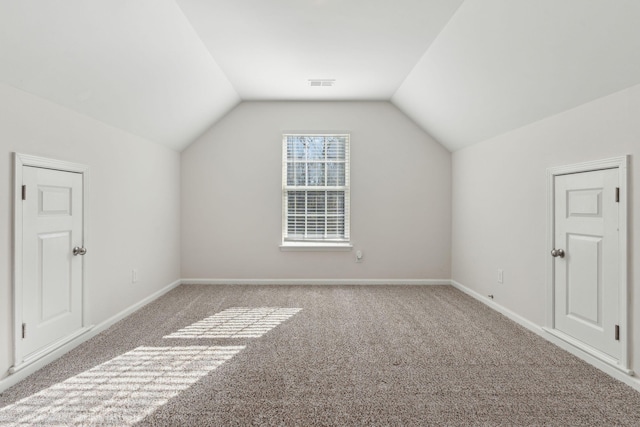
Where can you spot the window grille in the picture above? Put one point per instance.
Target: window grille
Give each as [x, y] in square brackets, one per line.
[315, 176]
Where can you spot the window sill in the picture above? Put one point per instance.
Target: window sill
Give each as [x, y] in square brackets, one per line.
[315, 246]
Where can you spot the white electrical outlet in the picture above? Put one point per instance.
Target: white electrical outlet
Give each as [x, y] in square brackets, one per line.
[134, 275]
[358, 256]
[500, 276]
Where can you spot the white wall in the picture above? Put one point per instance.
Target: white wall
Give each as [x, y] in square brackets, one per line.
[499, 200]
[134, 212]
[231, 196]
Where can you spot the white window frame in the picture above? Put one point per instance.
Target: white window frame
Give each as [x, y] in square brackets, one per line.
[314, 243]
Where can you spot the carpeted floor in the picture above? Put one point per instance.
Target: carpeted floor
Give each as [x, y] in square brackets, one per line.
[318, 355]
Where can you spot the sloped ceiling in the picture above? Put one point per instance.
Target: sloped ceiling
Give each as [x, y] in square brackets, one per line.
[270, 49]
[465, 71]
[134, 64]
[501, 64]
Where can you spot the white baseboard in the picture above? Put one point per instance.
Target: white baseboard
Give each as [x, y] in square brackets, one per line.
[25, 371]
[497, 307]
[316, 282]
[129, 310]
[616, 373]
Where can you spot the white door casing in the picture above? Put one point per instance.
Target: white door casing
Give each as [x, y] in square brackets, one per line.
[48, 278]
[587, 298]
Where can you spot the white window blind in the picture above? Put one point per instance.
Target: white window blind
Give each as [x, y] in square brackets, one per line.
[315, 178]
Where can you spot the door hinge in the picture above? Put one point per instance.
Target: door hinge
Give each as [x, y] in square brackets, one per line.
[24, 330]
[617, 194]
[24, 192]
[617, 332]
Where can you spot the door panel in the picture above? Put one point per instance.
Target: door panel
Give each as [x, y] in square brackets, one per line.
[52, 277]
[584, 284]
[584, 203]
[54, 200]
[586, 278]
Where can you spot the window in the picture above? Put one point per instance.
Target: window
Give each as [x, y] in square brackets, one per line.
[315, 182]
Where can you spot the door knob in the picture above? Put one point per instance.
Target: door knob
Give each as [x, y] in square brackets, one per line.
[557, 253]
[79, 251]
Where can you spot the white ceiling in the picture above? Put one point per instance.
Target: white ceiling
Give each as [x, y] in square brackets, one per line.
[134, 64]
[270, 49]
[465, 71]
[501, 64]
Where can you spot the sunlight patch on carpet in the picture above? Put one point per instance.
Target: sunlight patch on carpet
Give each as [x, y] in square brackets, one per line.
[237, 322]
[119, 392]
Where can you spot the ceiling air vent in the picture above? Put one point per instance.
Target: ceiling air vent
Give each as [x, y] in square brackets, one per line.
[321, 82]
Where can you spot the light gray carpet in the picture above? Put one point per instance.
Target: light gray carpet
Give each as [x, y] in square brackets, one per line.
[353, 355]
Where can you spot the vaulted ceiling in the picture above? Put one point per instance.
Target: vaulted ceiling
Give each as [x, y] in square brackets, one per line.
[464, 71]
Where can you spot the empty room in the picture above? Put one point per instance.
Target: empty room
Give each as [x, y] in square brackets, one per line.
[319, 212]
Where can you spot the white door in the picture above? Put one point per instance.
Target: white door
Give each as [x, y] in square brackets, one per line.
[52, 225]
[586, 251]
